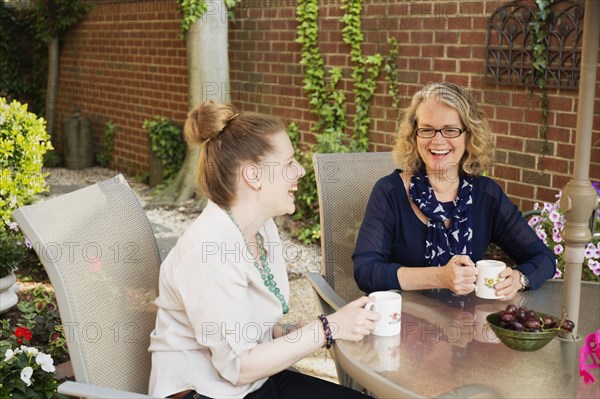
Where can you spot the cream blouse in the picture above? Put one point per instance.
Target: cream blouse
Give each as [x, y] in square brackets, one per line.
[213, 307]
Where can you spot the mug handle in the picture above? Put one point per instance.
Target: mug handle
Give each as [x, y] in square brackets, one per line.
[370, 306]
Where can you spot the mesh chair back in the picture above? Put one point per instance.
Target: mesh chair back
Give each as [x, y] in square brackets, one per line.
[102, 259]
[344, 184]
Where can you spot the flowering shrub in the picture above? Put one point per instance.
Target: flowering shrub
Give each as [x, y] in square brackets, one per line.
[38, 325]
[25, 372]
[23, 143]
[549, 226]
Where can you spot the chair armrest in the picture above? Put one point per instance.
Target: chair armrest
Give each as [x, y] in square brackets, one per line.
[325, 292]
[92, 391]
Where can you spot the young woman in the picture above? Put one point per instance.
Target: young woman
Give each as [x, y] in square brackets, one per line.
[426, 224]
[224, 287]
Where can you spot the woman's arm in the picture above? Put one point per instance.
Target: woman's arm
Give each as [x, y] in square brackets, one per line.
[458, 275]
[373, 268]
[352, 322]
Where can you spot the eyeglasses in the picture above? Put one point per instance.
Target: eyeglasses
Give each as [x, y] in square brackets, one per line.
[447, 132]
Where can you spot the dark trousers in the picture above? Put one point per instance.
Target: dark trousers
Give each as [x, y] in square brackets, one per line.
[292, 385]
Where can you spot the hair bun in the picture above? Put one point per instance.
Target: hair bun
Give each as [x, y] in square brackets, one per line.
[207, 121]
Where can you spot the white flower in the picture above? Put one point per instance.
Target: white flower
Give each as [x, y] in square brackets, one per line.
[30, 350]
[46, 362]
[13, 226]
[9, 355]
[26, 374]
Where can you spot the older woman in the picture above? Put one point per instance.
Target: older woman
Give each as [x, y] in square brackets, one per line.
[427, 223]
[224, 287]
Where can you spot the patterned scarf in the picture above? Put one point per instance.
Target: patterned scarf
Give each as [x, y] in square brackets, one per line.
[442, 244]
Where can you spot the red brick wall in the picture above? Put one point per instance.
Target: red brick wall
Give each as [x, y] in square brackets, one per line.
[126, 63]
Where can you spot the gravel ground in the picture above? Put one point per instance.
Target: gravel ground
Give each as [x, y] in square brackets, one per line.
[173, 222]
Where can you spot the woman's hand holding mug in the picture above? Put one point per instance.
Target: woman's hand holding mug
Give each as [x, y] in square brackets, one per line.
[352, 322]
[459, 275]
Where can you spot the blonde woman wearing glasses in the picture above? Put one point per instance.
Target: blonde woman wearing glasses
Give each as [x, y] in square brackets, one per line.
[429, 221]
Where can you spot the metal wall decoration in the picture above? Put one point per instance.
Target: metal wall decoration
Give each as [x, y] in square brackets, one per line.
[509, 60]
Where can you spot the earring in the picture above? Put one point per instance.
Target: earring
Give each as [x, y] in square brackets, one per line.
[258, 187]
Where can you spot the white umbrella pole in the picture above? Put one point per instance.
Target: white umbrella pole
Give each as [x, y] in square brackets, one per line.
[579, 197]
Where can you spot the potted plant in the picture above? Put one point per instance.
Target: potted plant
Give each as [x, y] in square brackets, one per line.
[24, 141]
[549, 225]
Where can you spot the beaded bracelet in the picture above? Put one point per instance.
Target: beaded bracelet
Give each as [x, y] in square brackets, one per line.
[328, 335]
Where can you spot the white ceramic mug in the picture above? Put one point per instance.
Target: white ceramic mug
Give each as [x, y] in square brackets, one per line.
[488, 272]
[389, 306]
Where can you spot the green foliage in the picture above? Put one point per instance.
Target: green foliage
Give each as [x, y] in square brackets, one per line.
[538, 47]
[13, 250]
[42, 318]
[53, 18]
[23, 143]
[391, 72]
[104, 157]
[167, 143]
[192, 10]
[12, 60]
[52, 159]
[24, 69]
[328, 102]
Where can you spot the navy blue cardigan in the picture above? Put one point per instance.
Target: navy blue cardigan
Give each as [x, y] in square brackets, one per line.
[392, 236]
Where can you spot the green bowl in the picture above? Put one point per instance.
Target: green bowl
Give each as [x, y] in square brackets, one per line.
[520, 340]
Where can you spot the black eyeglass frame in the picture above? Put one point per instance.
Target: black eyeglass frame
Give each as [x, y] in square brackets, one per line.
[441, 132]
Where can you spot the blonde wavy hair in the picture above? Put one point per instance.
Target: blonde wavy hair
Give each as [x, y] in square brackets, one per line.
[479, 152]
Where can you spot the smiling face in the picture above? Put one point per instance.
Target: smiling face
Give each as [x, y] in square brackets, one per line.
[439, 154]
[280, 173]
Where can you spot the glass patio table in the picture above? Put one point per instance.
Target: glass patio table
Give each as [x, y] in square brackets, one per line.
[445, 349]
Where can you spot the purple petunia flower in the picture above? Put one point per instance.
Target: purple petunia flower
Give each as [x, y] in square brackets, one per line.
[589, 252]
[558, 249]
[534, 220]
[28, 243]
[594, 267]
[557, 237]
[542, 235]
[554, 216]
[557, 274]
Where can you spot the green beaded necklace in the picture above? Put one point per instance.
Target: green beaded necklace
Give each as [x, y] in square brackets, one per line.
[265, 271]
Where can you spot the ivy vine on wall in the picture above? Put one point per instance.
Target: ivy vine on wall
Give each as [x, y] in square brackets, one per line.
[328, 102]
[540, 54]
[192, 10]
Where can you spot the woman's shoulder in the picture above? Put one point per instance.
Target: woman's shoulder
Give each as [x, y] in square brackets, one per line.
[487, 185]
[390, 182]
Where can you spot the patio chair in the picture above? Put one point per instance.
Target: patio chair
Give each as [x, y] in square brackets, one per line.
[99, 251]
[344, 184]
